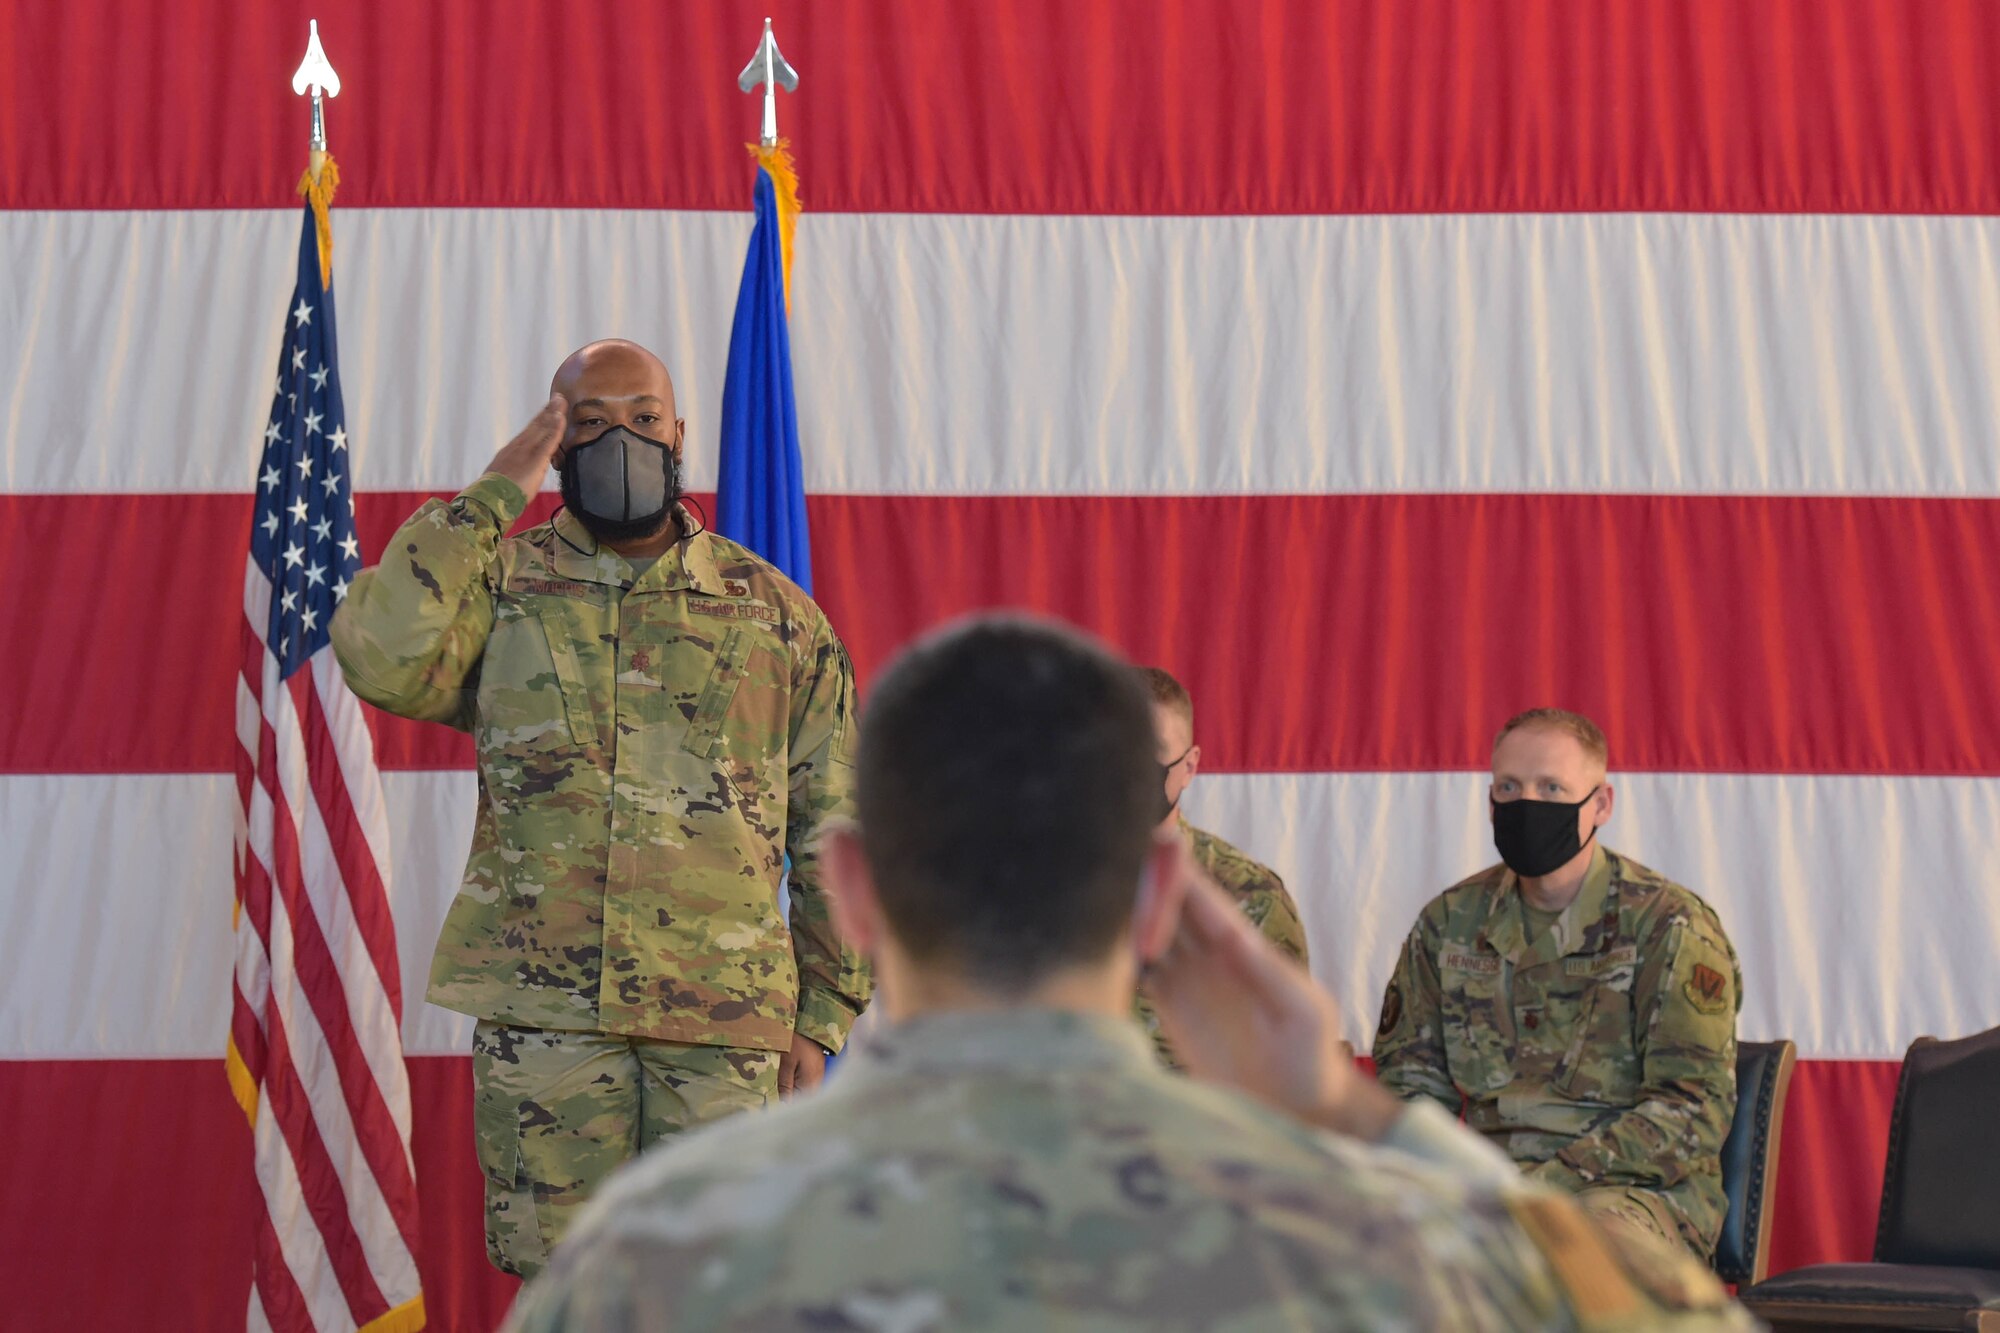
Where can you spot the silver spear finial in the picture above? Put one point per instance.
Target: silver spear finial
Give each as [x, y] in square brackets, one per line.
[768, 67]
[318, 76]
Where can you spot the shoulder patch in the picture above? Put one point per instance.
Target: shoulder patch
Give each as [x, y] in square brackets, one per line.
[1392, 1011]
[711, 606]
[1707, 989]
[1596, 1285]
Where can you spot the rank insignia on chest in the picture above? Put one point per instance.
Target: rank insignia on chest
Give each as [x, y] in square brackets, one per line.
[1706, 989]
[736, 587]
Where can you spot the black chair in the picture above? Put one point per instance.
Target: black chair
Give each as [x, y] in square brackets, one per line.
[1750, 1159]
[1937, 1243]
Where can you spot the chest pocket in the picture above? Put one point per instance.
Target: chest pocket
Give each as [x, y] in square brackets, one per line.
[1478, 1021]
[531, 692]
[739, 720]
[1600, 1062]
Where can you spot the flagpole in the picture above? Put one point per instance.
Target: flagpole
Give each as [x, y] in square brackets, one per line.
[315, 76]
[767, 69]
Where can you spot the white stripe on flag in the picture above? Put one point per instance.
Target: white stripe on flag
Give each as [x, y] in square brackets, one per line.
[1812, 875]
[1630, 353]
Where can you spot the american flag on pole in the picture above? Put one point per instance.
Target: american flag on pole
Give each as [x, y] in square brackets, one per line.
[315, 1048]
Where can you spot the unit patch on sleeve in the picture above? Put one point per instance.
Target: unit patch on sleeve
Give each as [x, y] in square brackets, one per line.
[1707, 989]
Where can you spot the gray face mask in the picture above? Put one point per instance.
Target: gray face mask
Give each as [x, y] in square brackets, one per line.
[622, 485]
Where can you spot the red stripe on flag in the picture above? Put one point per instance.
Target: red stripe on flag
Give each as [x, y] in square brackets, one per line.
[320, 1185]
[187, 1158]
[1027, 106]
[366, 896]
[245, 1031]
[278, 1294]
[1708, 634]
[320, 981]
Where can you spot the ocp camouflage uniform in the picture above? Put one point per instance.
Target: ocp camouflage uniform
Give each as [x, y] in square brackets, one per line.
[650, 746]
[1601, 1056]
[1033, 1170]
[1257, 890]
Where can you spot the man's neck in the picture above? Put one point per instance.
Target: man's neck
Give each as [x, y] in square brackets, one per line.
[910, 991]
[1558, 889]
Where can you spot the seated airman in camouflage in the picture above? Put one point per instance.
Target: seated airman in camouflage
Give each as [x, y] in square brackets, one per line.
[1258, 891]
[1007, 1153]
[1578, 1006]
[659, 716]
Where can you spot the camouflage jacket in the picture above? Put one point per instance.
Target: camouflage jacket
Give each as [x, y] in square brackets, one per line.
[1604, 1053]
[1036, 1170]
[649, 749]
[1257, 890]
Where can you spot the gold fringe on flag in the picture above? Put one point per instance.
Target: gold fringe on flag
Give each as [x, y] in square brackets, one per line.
[405, 1318]
[241, 1085]
[322, 178]
[777, 159]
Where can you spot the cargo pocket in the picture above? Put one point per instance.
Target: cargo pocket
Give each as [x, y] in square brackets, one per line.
[531, 695]
[736, 739]
[569, 676]
[514, 1240]
[1478, 1032]
[1600, 1065]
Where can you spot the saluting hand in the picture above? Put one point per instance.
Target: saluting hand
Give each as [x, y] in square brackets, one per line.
[1242, 1014]
[525, 459]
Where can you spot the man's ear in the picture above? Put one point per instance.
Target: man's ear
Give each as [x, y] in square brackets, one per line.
[1607, 796]
[850, 889]
[1193, 762]
[1156, 914]
[680, 436]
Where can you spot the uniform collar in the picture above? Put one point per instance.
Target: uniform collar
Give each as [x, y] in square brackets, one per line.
[690, 563]
[1025, 1041]
[1506, 933]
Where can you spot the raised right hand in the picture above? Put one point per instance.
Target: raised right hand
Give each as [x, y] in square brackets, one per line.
[525, 459]
[1241, 1014]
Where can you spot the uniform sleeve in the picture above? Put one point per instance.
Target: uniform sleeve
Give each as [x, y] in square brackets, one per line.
[834, 984]
[1409, 1043]
[411, 630]
[1684, 1000]
[1270, 907]
[1609, 1278]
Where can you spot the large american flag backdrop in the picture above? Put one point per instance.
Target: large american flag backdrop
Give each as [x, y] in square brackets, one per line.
[1381, 367]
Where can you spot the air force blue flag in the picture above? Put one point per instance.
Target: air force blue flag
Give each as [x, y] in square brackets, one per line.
[761, 493]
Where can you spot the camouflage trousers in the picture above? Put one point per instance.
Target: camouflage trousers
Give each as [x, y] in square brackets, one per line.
[1636, 1210]
[555, 1113]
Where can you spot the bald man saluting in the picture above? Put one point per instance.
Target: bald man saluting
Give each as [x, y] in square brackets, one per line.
[660, 716]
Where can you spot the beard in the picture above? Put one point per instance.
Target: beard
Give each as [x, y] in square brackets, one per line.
[617, 531]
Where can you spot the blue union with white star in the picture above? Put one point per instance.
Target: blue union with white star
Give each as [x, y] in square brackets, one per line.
[302, 534]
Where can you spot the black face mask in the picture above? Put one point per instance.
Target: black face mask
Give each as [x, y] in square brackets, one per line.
[621, 485]
[1537, 837]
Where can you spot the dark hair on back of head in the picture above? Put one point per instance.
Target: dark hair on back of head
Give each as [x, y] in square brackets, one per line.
[1167, 691]
[1007, 791]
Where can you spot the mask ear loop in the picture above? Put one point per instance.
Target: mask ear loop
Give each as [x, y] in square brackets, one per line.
[590, 554]
[686, 500]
